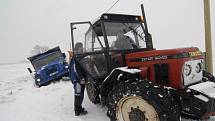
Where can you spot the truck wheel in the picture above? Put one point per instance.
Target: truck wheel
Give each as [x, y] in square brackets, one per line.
[141, 101]
[36, 84]
[92, 93]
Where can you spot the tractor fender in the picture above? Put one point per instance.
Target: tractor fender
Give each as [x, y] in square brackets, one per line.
[118, 75]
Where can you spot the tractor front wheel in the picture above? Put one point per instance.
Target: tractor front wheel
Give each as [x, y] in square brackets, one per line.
[92, 92]
[135, 108]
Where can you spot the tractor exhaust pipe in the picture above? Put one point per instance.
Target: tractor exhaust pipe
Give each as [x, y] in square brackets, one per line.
[148, 37]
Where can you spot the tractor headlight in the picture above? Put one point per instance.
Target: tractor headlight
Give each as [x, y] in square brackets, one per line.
[198, 68]
[187, 70]
[192, 71]
[38, 80]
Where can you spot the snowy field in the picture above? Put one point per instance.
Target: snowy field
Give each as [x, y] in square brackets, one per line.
[21, 101]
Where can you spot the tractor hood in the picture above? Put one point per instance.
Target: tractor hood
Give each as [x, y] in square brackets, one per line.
[163, 54]
[169, 67]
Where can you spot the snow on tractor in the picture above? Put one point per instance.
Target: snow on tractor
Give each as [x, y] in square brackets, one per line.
[135, 81]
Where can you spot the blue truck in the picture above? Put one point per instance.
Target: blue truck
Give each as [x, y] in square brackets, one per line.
[48, 66]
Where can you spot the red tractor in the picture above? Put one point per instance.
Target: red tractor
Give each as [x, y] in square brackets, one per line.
[135, 81]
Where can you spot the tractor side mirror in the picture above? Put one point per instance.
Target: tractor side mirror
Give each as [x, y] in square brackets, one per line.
[29, 70]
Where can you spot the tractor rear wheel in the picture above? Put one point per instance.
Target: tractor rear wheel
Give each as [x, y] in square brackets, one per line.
[141, 101]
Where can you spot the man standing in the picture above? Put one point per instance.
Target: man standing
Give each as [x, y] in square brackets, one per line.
[77, 76]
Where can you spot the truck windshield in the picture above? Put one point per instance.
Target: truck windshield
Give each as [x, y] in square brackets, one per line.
[122, 36]
[46, 59]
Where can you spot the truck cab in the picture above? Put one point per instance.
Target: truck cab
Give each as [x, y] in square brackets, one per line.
[49, 66]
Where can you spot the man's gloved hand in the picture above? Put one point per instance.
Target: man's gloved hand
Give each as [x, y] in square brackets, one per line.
[82, 81]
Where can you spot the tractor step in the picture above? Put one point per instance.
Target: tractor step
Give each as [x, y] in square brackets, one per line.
[203, 99]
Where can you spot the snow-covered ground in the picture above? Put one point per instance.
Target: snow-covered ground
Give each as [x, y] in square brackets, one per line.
[21, 101]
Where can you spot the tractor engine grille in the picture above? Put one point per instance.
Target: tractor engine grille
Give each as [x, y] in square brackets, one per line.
[162, 73]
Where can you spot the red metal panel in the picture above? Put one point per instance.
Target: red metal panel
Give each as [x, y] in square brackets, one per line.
[175, 64]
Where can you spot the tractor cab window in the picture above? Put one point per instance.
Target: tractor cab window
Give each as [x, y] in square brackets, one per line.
[93, 42]
[124, 36]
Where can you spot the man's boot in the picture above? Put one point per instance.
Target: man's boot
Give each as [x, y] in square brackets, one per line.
[77, 105]
[83, 111]
[78, 108]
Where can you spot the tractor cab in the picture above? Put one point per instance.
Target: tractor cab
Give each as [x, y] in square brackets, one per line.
[122, 32]
[108, 40]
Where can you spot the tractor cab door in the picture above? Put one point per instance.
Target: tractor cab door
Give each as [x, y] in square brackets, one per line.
[93, 58]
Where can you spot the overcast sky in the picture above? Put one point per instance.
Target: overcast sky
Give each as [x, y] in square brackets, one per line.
[25, 23]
